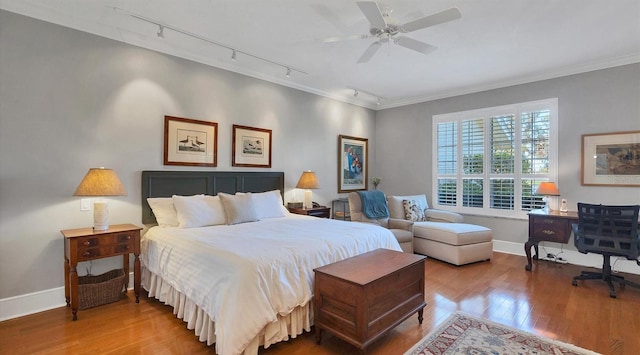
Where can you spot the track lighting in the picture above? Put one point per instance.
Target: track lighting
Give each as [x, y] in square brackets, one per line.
[378, 102]
[355, 93]
[234, 53]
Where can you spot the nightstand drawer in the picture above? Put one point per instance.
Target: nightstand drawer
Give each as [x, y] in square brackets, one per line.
[109, 250]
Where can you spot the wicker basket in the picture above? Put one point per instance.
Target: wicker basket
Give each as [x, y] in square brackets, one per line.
[100, 289]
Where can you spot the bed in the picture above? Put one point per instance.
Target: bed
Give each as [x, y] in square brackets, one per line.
[244, 281]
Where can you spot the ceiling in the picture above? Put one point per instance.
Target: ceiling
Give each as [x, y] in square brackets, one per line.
[496, 43]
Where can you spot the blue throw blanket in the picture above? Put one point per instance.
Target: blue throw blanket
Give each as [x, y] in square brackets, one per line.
[374, 204]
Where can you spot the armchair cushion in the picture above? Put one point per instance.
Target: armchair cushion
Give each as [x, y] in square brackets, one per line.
[396, 209]
[400, 224]
[443, 216]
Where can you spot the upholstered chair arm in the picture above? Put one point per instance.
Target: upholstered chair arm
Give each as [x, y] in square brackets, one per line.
[395, 223]
[443, 216]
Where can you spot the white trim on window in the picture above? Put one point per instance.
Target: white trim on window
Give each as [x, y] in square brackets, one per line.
[523, 182]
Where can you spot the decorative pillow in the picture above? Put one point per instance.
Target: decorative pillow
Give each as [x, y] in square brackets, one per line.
[239, 207]
[165, 212]
[267, 204]
[199, 211]
[413, 211]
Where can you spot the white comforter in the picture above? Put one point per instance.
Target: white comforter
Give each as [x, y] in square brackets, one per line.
[244, 275]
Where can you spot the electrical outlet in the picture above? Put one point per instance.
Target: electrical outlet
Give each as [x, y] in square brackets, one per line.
[85, 204]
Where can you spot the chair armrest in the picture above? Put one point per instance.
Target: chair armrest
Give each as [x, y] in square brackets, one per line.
[443, 216]
[396, 223]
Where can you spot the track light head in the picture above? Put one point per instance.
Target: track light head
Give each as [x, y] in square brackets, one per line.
[233, 55]
[355, 93]
[378, 102]
[288, 72]
[160, 33]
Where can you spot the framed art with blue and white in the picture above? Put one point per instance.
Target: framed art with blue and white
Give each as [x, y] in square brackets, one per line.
[352, 163]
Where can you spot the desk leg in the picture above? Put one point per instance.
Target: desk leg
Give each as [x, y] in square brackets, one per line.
[527, 250]
[66, 281]
[136, 277]
[73, 285]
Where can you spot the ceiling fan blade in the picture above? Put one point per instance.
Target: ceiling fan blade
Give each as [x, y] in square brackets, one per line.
[343, 38]
[369, 52]
[432, 20]
[415, 45]
[372, 12]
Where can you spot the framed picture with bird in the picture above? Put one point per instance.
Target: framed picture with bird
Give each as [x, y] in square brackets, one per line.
[251, 147]
[190, 142]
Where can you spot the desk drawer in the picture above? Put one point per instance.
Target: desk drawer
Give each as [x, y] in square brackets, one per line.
[551, 229]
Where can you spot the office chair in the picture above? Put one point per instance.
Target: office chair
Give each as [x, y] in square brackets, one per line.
[610, 231]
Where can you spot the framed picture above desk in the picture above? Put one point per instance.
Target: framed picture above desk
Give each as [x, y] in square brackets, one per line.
[552, 226]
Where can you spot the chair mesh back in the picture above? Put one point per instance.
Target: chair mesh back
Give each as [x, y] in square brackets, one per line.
[609, 230]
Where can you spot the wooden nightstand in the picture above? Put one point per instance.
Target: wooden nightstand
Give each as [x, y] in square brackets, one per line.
[85, 244]
[321, 211]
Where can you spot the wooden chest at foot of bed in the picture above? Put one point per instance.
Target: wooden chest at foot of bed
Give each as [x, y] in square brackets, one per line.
[361, 298]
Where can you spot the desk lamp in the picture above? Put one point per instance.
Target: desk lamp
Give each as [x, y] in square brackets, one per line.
[100, 182]
[547, 189]
[308, 180]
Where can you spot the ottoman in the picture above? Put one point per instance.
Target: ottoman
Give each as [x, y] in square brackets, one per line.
[455, 243]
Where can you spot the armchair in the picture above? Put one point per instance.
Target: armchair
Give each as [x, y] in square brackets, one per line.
[610, 231]
[401, 229]
[442, 234]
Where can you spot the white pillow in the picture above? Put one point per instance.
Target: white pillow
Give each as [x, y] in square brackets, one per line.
[238, 208]
[267, 204]
[199, 211]
[165, 212]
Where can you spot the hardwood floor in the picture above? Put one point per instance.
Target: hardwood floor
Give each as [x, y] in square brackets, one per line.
[542, 302]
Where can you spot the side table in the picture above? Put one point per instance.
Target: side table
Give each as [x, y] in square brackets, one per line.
[85, 244]
[320, 211]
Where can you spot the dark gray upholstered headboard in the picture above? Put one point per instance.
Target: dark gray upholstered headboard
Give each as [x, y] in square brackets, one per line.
[169, 183]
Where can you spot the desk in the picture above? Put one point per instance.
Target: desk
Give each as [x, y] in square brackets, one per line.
[554, 226]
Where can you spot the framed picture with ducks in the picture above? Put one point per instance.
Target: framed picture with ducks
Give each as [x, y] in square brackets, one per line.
[190, 142]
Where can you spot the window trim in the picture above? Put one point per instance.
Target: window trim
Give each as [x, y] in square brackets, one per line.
[517, 109]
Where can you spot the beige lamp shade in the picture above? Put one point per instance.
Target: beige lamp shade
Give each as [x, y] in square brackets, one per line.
[548, 189]
[308, 180]
[100, 182]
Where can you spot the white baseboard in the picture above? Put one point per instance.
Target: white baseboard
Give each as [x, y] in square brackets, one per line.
[618, 264]
[22, 305]
[30, 303]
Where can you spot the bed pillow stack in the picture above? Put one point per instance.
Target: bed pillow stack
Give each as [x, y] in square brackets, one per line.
[204, 210]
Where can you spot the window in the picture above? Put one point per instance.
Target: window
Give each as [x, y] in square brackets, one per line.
[491, 161]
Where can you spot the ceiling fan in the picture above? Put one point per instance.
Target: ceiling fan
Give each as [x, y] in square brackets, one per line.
[385, 29]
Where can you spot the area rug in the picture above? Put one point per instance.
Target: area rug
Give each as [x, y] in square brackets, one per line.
[465, 334]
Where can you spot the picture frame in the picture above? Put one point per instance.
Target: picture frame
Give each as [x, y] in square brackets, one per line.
[611, 159]
[190, 142]
[251, 147]
[353, 164]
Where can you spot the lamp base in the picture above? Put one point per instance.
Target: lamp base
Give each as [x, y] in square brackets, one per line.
[100, 215]
[307, 199]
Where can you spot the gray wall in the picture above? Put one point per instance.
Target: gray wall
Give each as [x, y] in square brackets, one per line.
[71, 100]
[595, 102]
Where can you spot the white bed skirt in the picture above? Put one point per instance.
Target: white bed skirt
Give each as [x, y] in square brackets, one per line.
[197, 319]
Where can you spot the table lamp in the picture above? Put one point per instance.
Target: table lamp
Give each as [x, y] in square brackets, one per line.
[547, 189]
[100, 182]
[308, 180]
